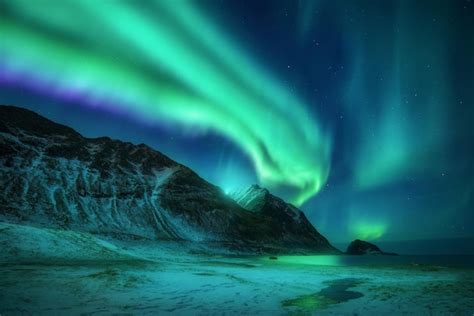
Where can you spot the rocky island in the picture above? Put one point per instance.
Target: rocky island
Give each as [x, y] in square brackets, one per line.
[360, 247]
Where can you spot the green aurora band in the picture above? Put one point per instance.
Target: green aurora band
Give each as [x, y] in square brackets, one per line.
[170, 66]
[412, 94]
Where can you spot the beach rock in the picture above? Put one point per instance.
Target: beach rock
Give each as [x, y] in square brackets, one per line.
[360, 247]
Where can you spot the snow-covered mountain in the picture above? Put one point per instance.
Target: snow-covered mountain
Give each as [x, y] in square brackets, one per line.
[285, 220]
[51, 176]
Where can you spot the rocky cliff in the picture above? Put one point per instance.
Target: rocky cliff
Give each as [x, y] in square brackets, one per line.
[51, 176]
[361, 247]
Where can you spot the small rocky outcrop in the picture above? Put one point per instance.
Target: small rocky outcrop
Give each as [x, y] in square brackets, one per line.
[360, 247]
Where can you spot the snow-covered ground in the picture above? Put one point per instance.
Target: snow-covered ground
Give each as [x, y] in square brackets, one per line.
[44, 271]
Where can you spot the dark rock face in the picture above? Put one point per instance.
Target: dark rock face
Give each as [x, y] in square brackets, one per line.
[360, 247]
[282, 218]
[52, 176]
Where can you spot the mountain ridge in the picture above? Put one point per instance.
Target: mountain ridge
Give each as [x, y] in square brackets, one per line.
[54, 177]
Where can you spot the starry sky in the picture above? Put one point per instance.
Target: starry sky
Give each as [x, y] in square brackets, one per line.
[359, 112]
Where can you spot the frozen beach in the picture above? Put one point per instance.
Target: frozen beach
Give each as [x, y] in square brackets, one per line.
[181, 279]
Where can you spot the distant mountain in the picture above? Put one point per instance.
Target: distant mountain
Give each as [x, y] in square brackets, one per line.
[51, 176]
[360, 247]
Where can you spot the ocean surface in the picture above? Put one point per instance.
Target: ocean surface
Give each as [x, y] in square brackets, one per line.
[448, 261]
[451, 246]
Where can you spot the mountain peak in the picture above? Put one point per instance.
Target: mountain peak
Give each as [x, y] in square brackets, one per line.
[252, 198]
[255, 186]
[284, 218]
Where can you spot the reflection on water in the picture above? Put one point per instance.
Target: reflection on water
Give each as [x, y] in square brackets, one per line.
[459, 261]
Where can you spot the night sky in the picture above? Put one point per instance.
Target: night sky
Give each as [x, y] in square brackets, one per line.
[360, 112]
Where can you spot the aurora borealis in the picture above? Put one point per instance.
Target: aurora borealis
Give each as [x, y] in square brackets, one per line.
[360, 112]
[178, 68]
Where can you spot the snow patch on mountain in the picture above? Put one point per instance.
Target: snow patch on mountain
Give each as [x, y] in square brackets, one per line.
[22, 244]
